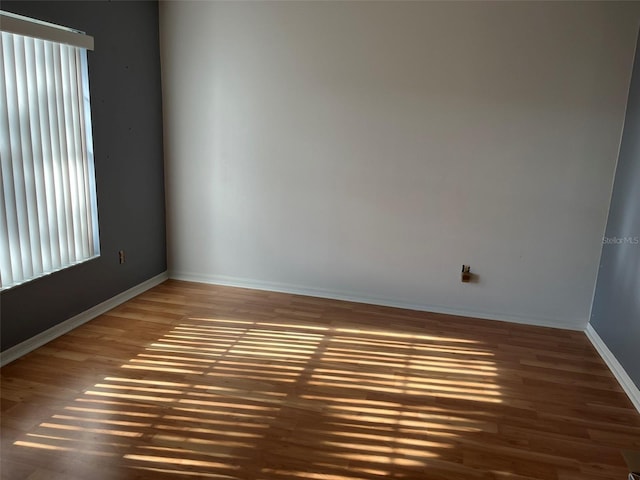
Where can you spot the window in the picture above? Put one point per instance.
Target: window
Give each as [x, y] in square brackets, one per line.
[48, 212]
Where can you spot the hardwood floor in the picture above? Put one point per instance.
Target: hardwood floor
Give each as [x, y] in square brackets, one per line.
[192, 381]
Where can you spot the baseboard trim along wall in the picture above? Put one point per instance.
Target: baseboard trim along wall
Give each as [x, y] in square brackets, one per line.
[618, 371]
[625, 381]
[359, 298]
[31, 344]
[54, 332]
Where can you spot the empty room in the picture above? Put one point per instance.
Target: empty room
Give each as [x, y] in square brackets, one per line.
[332, 240]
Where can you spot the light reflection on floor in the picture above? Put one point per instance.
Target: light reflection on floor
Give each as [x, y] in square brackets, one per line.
[222, 398]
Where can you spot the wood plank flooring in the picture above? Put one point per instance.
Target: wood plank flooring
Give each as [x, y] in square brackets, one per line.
[191, 381]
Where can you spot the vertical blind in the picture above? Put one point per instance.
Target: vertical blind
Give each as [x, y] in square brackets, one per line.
[48, 213]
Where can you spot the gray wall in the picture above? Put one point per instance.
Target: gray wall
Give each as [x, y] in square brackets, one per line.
[124, 80]
[616, 306]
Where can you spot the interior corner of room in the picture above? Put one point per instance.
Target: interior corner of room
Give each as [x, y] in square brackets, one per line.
[363, 151]
[308, 151]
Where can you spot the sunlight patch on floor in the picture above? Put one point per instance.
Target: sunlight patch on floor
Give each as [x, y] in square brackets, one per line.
[208, 396]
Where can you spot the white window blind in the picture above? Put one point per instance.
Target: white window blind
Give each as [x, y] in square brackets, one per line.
[48, 213]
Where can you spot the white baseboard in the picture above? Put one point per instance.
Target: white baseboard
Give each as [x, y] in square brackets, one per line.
[54, 332]
[360, 298]
[618, 371]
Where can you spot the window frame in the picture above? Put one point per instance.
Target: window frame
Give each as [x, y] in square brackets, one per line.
[80, 199]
